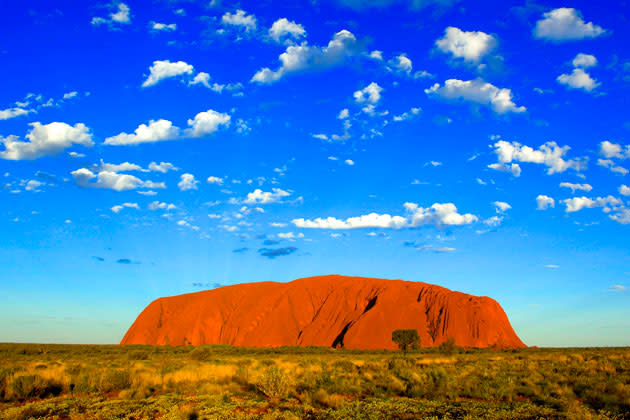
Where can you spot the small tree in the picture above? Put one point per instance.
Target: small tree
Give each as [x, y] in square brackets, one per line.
[405, 339]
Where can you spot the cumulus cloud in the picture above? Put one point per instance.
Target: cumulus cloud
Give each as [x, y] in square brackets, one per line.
[121, 16]
[400, 64]
[513, 168]
[369, 94]
[573, 187]
[624, 190]
[608, 163]
[187, 182]
[118, 208]
[438, 215]
[478, 91]
[471, 46]
[412, 4]
[584, 61]
[33, 185]
[85, 178]
[164, 69]
[578, 203]
[45, 140]
[157, 205]
[206, 122]
[543, 202]
[618, 288]
[240, 19]
[549, 154]
[407, 115]
[215, 180]
[613, 150]
[259, 196]
[163, 167]
[565, 24]
[501, 206]
[298, 58]
[163, 27]
[285, 30]
[203, 78]
[9, 113]
[578, 79]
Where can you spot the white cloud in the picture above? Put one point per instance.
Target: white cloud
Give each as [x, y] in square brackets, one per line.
[120, 16]
[290, 235]
[584, 61]
[573, 187]
[163, 167]
[370, 94]
[412, 4]
[501, 206]
[215, 180]
[207, 122]
[607, 163]
[240, 19]
[621, 215]
[437, 215]
[614, 150]
[304, 57]
[514, 168]
[159, 130]
[164, 69]
[578, 79]
[203, 78]
[552, 266]
[543, 202]
[8, 113]
[578, 203]
[33, 185]
[118, 208]
[617, 288]
[400, 64]
[407, 115]
[343, 114]
[470, 46]
[156, 205]
[493, 221]
[433, 163]
[284, 29]
[277, 224]
[565, 24]
[376, 55]
[349, 162]
[549, 154]
[85, 178]
[45, 140]
[624, 190]
[478, 91]
[163, 27]
[264, 197]
[187, 182]
[204, 123]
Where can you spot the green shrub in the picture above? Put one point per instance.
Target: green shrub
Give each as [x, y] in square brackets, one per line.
[34, 386]
[115, 380]
[449, 346]
[273, 384]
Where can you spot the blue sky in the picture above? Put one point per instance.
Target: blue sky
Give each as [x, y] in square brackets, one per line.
[152, 148]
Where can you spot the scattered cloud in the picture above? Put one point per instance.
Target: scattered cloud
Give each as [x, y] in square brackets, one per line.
[477, 91]
[578, 203]
[204, 123]
[163, 167]
[618, 288]
[565, 24]
[614, 150]
[45, 140]
[162, 27]
[543, 202]
[187, 182]
[501, 206]
[156, 205]
[299, 58]
[578, 79]
[165, 69]
[118, 208]
[259, 196]
[120, 16]
[272, 253]
[471, 47]
[548, 154]
[624, 190]
[438, 215]
[284, 30]
[573, 187]
[240, 19]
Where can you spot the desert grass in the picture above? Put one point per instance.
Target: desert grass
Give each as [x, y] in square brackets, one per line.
[223, 382]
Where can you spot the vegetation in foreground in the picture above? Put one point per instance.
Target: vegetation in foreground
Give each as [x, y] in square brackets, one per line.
[221, 382]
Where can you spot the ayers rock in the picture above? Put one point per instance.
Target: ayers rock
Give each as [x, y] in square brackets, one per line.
[337, 311]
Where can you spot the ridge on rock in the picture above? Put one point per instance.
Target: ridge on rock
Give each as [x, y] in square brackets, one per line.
[337, 311]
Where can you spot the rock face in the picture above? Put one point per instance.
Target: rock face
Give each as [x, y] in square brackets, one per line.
[337, 311]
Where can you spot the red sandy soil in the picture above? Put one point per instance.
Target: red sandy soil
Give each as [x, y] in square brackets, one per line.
[338, 311]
